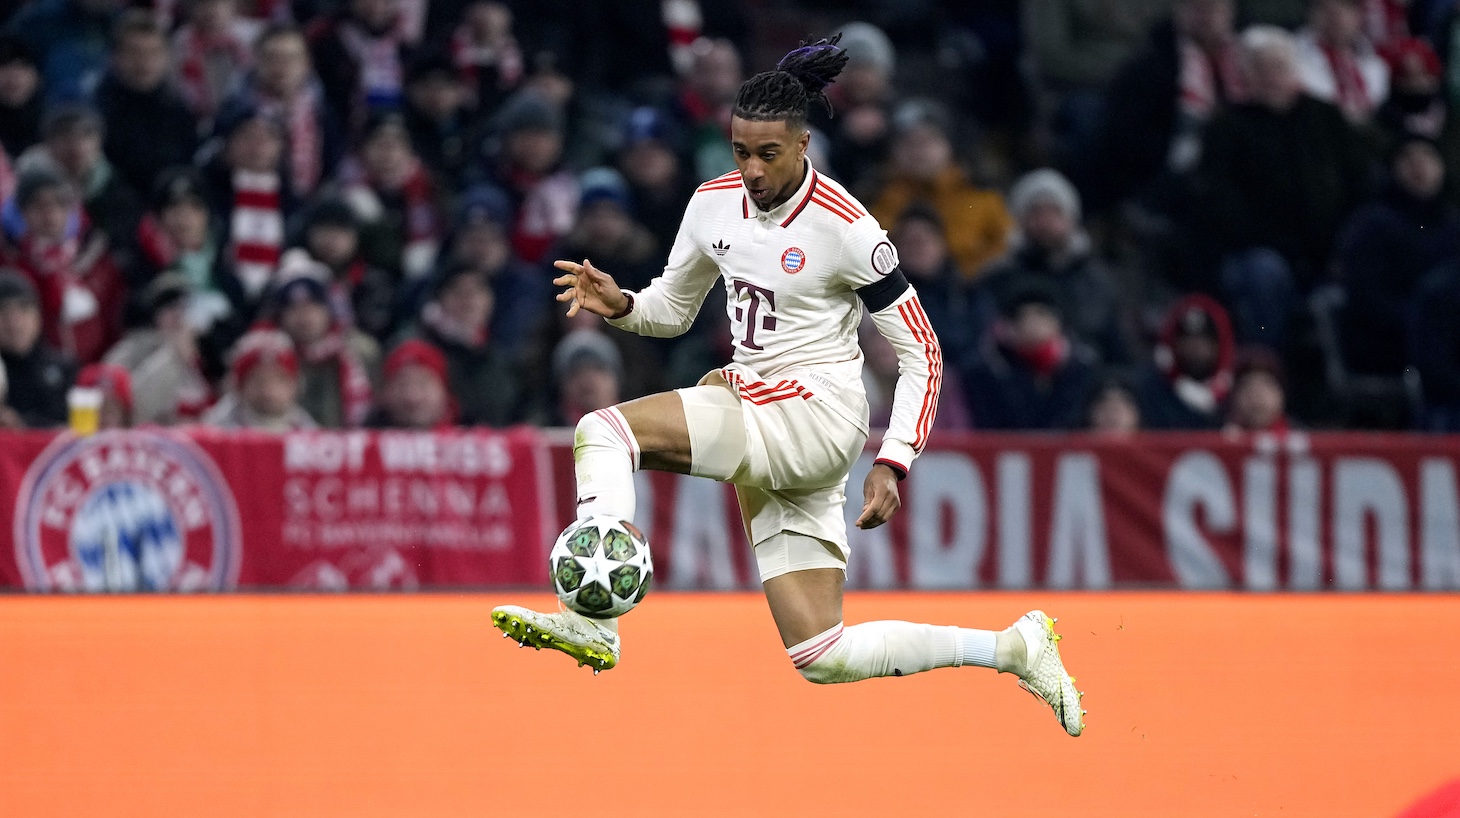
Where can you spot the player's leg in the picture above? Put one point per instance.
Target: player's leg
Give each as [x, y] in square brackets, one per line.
[608, 447]
[806, 602]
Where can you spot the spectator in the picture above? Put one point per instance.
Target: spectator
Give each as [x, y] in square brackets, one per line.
[1160, 102]
[588, 375]
[148, 125]
[923, 169]
[335, 360]
[81, 291]
[545, 195]
[20, 95]
[165, 358]
[658, 180]
[1258, 402]
[1416, 102]
[1051, 247]
[1280, 174]
[389, 186]
[414, 394]
[263, 387]
[211, 53]
[71, 38]
[249, 194]
[361, 59]
[1386, 248]
[607, 233]
[457, 321]
[1434, 347]
[861, 130]
[179, 235]
[1192, 373]
[951, 307]
[706, 97]
[283, 85]
[1337, 63]
[1028, 374]
[72, 137]
[486, 53]
[37, 375]
[521, 292]
[115, 384]
[1113, 408]
[361, 294]
[442, 119]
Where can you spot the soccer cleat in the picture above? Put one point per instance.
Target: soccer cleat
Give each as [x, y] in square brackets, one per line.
[583, 639]
[1044, 673]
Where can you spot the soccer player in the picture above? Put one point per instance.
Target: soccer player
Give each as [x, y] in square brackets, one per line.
[800, 258]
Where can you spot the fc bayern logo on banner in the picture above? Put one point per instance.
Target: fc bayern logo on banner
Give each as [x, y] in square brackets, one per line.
[126, 511]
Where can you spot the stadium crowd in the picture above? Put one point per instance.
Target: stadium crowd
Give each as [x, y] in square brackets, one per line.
[1120, 214]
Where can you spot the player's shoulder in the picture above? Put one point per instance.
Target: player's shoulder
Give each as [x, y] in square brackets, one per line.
[828, 196]
[730, 181]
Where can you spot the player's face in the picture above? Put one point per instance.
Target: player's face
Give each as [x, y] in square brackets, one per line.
[771, 158]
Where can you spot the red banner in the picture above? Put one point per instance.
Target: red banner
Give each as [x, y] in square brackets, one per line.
[203, 510]
[208, 510]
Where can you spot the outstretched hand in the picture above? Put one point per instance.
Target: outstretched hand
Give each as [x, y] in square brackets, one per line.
[880, 497]
[589, 289]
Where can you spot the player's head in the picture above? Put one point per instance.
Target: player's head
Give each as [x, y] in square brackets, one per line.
[768, 131]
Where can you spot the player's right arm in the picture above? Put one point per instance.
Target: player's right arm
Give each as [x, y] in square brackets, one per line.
[664, 309]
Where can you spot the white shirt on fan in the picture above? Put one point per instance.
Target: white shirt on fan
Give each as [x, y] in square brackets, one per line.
[790, 276]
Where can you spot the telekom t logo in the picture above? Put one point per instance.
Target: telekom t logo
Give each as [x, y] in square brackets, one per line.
[748, 301]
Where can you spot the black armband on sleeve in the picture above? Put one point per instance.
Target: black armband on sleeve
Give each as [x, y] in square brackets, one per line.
[879, 295]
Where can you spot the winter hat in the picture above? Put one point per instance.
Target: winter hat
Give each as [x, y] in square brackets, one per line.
[16, 287]
[866, 44]
[233, 119]
[920, 112]
[645, 124]
[482, 204]
[297, 290]
[382, 122]
[178, 186]
[111, 378]
[604, 185]
[72, 117]
[585, 347]
[1044, 185]
[165, 290]
[38, 180]
[415, 352]
[262, 346]
[1033, 291]
[529, 111]
[332, 212]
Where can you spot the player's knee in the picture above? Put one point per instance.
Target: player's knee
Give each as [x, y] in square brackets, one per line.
[602, 428]
[821, 673]
[822, 659]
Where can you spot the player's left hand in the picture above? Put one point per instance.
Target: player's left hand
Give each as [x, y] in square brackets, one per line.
[880, 498]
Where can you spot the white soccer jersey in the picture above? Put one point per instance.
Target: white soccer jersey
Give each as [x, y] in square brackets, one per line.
[791, 277]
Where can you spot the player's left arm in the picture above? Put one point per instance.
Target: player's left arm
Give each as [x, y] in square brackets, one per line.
[870, 266]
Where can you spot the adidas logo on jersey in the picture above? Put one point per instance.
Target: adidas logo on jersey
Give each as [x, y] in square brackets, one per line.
[720, 247]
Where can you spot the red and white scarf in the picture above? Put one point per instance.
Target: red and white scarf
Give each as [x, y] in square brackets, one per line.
[206, 64]
[452, 330]
[301, 116]
[382, 78]
[355, 392]
[683, 21]
[256, 228]
[1351, 93]
[1208, 80]
[423, 222]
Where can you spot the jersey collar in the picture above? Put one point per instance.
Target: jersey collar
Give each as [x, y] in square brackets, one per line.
[787, 211]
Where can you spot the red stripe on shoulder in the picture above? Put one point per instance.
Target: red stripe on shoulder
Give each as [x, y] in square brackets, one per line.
[736, 185]
[840, 213]
[843, 200]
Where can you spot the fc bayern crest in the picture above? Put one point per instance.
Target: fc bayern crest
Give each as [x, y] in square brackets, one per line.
[793, 260]
[126, 511]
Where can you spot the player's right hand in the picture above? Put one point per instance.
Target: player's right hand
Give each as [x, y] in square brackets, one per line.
[589, 288]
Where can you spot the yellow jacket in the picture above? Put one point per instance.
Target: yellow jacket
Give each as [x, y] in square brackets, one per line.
[975, 221]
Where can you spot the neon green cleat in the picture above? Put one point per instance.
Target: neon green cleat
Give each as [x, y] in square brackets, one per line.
[1044, 672]
[583, 639]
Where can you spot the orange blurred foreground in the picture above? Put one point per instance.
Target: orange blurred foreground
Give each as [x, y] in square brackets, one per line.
[1200, 705]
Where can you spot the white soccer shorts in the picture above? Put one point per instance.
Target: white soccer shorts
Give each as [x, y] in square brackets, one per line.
[788, 455]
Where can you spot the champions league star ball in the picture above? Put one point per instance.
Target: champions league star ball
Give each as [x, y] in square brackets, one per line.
[601, 567]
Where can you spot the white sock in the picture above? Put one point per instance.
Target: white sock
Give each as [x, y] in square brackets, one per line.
[888, 648]
[605, 457]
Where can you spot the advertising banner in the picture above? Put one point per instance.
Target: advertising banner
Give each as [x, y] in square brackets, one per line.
[209, 510]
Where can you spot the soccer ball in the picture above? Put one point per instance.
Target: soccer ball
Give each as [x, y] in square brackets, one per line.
[601, 567]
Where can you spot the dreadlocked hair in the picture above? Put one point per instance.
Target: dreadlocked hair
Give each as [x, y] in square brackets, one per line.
[799, 80]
